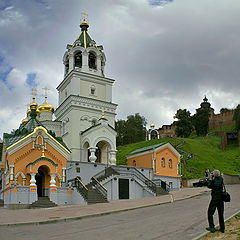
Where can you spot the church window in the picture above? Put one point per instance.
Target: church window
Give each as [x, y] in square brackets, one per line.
[170, 163]
[163, 162]
[78, 60]
[134, 163]
[92, 60]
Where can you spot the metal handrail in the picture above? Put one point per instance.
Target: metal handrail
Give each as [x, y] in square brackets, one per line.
[82, 189]
[99, 187]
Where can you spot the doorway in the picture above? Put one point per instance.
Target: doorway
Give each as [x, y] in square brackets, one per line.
[123, 188]
[41, 177]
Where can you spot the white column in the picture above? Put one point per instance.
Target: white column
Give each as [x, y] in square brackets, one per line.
[52, 181]
[71, 62]
[85, 66]
[112, 157]
[63, 174]
[11, 166]
[92, 157]
[33, 180]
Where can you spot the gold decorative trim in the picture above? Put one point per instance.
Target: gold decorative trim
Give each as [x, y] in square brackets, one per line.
[35, 130]
[84, 39]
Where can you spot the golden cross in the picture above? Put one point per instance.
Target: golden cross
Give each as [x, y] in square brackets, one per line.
[46, 91]
[34, 94]
[84, 16]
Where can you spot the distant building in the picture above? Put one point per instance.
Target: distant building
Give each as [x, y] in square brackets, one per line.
[163, 158]
[167, 131]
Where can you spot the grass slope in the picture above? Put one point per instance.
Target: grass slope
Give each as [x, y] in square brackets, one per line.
[204, 152]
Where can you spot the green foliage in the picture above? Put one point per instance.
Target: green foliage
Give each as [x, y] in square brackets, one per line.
[224, 110]
[236, 117]
[198, 153]
[183, 125]
[224, 128]
[200, 121]
[132, 130]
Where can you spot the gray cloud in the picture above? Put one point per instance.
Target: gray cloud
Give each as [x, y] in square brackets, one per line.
[163, 58]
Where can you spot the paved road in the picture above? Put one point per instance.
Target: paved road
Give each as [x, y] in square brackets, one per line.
[181, 220]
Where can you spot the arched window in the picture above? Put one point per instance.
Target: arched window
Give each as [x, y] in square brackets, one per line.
[163, 162]
[154, 135]
[92, 60]
[78, 60]
[134, 163]
[170, 163]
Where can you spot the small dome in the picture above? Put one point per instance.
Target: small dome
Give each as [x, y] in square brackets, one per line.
[46, 107]
[152, 125]
[25, 120]
[33, 105]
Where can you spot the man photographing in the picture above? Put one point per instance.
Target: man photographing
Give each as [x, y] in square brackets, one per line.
[216, 184]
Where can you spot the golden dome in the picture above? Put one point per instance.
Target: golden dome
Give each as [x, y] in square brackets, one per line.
[33, 105]
[46, 107]
[25, 120]
[152, 125]
[84, 22]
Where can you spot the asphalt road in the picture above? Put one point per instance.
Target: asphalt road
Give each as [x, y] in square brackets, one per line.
[180, 220]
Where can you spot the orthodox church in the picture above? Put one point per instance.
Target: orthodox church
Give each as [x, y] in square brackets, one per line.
[72, 159]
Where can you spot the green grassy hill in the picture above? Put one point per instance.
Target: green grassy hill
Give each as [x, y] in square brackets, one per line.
[197, 153]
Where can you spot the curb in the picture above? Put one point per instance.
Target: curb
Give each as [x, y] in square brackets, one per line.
[206, 232]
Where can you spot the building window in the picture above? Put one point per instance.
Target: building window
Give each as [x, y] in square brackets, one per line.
[78, 169]
[134, 163]
[163, 162]
[170, 163]
[170, 185]
[92, 60]
[78, 60]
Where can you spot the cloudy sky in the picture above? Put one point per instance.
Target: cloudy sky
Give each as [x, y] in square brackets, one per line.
[164, 55]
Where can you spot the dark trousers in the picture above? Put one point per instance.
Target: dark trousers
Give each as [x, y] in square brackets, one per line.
[219, 204]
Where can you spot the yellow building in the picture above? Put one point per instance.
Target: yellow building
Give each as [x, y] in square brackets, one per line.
[163, 158]
[34, 163]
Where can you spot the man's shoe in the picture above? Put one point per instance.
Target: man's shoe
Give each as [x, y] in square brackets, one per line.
[212, 230]
[222, 230]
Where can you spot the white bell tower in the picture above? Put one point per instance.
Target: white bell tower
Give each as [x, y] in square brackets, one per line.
[84, 95]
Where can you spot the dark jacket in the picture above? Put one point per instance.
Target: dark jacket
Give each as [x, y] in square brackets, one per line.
[216, 185]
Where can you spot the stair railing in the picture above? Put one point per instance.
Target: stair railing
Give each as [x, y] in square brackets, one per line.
[162, 184]
[150, 184]
[107, 172]
[99, 187]
[82, 189]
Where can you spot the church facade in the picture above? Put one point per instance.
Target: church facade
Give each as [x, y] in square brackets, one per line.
[72, 159]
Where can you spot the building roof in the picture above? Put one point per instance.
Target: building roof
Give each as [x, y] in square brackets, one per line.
[148, 148]
[27, 128]
[84, 38]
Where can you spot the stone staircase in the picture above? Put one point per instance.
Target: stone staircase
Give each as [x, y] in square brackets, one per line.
[160, 191]
[43, 202]
[94, 196]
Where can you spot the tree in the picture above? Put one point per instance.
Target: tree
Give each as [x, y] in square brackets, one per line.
[131, 130]
[200, 121]
[184, 124]
[224, 110]
[120, 127]
[236, 117]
